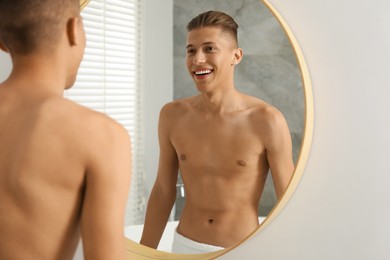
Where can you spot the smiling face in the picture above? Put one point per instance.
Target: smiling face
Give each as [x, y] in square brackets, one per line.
[211, 56]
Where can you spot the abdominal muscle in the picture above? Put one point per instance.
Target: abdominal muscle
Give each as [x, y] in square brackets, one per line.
[218, 211]
[223, 229]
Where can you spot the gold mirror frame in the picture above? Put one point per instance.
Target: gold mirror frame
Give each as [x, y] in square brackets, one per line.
[83, 3]
[137, 251]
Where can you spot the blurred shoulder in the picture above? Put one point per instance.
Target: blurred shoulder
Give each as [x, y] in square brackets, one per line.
[83, 121]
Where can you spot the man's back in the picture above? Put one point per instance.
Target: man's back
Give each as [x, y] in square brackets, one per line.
[64, 169]
[46, 143]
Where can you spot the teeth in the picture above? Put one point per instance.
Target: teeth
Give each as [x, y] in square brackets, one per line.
[202, 72]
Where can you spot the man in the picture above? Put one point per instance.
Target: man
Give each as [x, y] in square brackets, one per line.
[223, 142]
[64, 169]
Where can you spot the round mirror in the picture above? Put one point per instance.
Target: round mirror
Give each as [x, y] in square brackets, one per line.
[273, 69]
[83, 3]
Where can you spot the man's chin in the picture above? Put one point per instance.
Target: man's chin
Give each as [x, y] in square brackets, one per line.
[69, 86]
[70, 83]
[203, 88]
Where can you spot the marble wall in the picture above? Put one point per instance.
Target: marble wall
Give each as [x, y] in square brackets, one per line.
[269, 69]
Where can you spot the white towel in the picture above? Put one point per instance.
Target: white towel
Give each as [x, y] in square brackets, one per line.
[184, 245]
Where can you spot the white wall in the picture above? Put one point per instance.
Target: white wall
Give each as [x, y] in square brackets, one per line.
[158, 75]
[341, 208]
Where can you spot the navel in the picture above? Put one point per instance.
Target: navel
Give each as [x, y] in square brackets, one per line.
[241, 162]
[211, 220]
[183, 157]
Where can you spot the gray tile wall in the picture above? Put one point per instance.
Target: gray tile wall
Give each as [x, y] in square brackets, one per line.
[269, 69]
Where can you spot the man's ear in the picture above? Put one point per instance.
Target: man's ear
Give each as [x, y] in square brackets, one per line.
[3, 47]
[238, 54]
[72, 30]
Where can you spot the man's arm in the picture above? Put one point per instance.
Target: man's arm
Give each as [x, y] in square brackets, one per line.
[279, 151]
[163, 194]
[106, 190]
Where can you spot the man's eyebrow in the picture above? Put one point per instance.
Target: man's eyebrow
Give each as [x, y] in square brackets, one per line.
[205, 43]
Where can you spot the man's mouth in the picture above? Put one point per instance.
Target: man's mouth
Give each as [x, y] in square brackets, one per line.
[203, 72]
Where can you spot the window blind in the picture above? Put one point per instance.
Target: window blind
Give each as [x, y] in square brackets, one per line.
[108, 80]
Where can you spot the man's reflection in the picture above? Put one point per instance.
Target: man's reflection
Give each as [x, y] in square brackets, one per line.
[223, 142]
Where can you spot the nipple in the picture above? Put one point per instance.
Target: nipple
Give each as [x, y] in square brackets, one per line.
[183, 157]
[241, 162]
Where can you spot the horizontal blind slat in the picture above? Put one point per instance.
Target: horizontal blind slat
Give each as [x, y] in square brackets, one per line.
[108, 77]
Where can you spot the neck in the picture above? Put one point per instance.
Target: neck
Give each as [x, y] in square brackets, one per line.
[222, 101]
[39, 73]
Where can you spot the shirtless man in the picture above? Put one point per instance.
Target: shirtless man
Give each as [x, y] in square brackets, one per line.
[64, 169]
[223, 142]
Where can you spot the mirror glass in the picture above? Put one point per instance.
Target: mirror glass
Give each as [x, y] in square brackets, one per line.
[268, 71]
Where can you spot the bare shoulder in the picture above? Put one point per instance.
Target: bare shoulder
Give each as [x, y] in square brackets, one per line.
[179, 105]
[177, 108]
[85, 124]
[265, 115]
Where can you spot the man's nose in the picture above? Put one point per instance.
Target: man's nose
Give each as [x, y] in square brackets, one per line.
[199, 58]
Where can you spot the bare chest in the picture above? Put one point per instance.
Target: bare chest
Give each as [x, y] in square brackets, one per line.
[220, 145]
